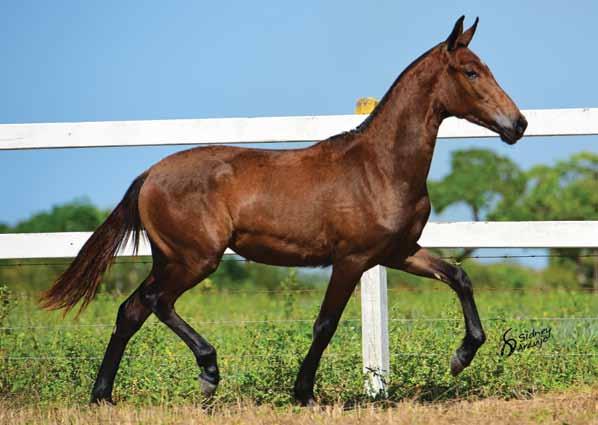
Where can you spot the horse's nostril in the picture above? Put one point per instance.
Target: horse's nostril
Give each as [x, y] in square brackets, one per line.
[521, 124]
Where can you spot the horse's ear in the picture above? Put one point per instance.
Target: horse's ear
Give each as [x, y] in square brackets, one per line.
[451, 41]
[466, 37]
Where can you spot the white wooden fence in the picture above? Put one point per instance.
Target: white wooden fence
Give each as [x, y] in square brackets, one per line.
[548, 234]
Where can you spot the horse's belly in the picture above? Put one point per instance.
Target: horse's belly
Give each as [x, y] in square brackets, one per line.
[280, 251]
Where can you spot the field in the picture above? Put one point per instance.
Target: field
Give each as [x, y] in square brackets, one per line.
[570, 407]
[261, 337]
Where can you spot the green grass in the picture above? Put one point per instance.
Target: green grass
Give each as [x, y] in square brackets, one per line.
[57, 361]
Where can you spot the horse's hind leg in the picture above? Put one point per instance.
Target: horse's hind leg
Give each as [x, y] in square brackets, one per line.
[172, 279]
[131, 315]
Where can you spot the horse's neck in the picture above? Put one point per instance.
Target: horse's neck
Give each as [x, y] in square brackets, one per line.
[402, 133]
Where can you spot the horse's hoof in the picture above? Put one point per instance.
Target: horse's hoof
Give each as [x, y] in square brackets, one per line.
[207, 388]
[457, 365]
[311, 402]
[308, 402]
[102, 401]
[305, 399]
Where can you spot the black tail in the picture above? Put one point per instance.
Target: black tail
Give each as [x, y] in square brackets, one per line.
[82, 278]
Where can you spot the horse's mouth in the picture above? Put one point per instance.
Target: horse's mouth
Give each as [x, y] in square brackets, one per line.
[509, 136]
[512, 133]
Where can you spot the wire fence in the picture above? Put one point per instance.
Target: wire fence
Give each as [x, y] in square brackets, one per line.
[356, 293]
[334, 355]
[399, 289]
[457, 259]
[279, 322]
[309, 320]
[147, 260]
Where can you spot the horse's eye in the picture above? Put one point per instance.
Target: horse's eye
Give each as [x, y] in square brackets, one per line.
[472, 75]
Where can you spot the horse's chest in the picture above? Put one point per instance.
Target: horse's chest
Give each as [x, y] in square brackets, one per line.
[408, 220]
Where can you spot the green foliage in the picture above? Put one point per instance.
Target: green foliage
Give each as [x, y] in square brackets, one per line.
[566, 191]
[479, 178]
[6, 303]
[57, 363]
[290, 284]
[503, 275]
[76, 216]
[253, 275]
[563, 275]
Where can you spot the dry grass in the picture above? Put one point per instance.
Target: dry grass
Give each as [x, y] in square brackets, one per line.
[571, 407]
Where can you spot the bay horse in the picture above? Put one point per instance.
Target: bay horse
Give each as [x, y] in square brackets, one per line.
[353, 201]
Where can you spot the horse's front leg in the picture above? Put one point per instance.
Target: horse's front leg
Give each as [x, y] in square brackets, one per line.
[343, 280]
[423, 263]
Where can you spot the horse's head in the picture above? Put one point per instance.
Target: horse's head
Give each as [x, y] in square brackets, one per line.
[470, 91]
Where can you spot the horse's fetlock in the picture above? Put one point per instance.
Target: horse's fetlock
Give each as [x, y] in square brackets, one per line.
[474, 339]
[303, 391]
[213, 372]
[206, 357]
[208, 353]
[479, 338]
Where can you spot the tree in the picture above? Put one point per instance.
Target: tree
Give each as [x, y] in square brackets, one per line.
[76, 216]
[566, 191]
[480, 179]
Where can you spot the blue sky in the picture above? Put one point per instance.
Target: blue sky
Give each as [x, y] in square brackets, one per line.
[125, 60]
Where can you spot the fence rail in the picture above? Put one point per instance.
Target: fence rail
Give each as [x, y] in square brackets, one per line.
[542, 122]
[509, 234]
[549, 122]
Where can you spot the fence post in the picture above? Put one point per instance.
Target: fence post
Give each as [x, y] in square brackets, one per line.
[374, 330]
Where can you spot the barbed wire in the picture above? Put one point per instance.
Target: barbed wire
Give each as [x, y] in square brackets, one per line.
[506, 256]
[443, 288]
[310, 320]
[243, 260]
[395, 289]
[334, 355]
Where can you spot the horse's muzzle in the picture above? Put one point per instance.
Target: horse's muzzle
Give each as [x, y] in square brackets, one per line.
[513, 134]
